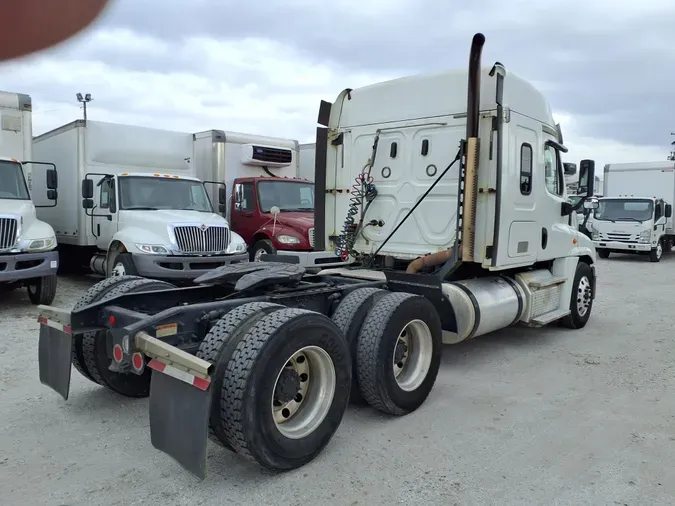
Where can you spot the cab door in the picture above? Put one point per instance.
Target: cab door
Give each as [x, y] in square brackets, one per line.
[105, 220]
[555, 233]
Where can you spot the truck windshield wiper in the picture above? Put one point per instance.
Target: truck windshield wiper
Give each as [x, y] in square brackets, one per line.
[297, 209]
[628, 219]
[141, 208]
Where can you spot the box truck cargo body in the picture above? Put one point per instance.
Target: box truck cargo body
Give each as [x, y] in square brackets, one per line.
[131, 203]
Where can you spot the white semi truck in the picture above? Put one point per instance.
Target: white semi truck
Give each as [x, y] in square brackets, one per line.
[452, 206]
[131, 203]
[28, 255]
[635, 213]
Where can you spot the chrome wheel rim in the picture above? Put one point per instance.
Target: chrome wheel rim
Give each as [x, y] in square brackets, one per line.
[258, 254]
[303, 392]
[411, 359]
[584, 296]
[659, 250]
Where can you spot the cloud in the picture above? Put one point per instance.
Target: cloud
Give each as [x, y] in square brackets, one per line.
[606, 67]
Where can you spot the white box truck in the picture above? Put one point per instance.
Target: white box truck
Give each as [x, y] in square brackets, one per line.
[28, 255]
[141, 209]
[270, 207]
[635, 212]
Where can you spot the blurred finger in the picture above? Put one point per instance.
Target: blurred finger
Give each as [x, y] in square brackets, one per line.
[34, 25]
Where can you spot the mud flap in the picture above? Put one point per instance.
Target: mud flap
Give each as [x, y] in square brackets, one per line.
[179, 421]
[55, 350]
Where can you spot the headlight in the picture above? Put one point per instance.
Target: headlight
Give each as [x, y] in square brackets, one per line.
[236, 247]
[645, 235]
[595, 236]
[41, 244]
[153, 249]
[288, 239]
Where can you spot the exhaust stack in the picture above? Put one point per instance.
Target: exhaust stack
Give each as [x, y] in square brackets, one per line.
[472, 149]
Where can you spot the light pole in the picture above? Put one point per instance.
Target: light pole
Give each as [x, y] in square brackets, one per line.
[84, 100]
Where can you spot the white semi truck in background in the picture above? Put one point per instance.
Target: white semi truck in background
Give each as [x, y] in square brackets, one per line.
[132, 204]
[28, 255]
[635, 212]
[454, 209]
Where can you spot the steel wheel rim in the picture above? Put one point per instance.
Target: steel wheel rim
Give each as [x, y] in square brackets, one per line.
[411, 359]
[659, 250]
[258, 254]
[310, 372]
[583, 296]
[118, 270]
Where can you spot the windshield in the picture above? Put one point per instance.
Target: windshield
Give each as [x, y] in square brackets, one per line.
[624, 210]
[154, 193]
[287, 195]
[12, 182]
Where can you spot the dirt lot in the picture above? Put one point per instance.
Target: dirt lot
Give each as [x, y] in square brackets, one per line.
[524, 416]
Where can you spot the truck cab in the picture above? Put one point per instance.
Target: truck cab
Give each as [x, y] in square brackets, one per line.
[158, 226]
[638, 225]
[272, 214]
[28, 255]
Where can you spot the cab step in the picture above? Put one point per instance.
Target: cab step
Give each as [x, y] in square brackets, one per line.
[551, 316]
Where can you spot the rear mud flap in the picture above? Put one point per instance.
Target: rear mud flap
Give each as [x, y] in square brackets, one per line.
[179, 421]
[55, 350]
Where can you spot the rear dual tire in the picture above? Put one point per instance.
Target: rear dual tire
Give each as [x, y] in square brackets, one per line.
[90, 353]
[281, 383]
[395, 340]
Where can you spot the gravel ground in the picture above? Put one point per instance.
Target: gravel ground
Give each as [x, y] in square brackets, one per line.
[523, 416]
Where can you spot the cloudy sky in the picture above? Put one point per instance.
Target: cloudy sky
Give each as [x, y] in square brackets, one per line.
[608, 68]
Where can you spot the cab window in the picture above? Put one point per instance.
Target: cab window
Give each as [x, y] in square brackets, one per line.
[552, 172]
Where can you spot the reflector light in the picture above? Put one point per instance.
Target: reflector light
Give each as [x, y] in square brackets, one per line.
[117, 353]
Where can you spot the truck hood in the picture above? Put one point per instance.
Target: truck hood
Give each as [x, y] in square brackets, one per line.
[20, 208]
[170, 217]
[300, 221]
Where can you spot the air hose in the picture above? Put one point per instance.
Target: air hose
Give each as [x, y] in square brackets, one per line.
[363, 190]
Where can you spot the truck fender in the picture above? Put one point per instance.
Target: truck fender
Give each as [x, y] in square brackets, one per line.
[566, 267]
[124, 240]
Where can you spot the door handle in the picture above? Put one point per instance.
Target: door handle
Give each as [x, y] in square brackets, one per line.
[544, 237]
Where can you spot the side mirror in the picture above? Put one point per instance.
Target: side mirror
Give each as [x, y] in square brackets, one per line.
[237, 206]
[238, 194]
[52, 180]
[669, 210]
[87, 189]
[570, 168]
[275, 210]
[52, 194]
[87, 203]
[222, 195]
[587, 178]
[591, 203]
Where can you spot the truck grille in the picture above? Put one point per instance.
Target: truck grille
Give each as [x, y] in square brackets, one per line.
[192, 239]
[310, 235]
[8, 232]
[619, 237]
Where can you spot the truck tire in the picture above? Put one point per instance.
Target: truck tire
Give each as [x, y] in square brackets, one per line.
[217, 348]
[398, 353]
[298, 361]
[95, 353]
[656, 253]
[603, 253]
[349, 317]
[581, 300]
[94, 294]
[262, 247]
[42, 290]
[121, 264]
